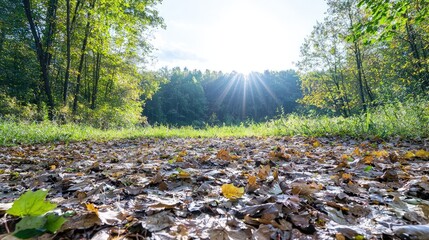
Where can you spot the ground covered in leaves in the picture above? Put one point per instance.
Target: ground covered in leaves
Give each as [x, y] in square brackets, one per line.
[293, 188]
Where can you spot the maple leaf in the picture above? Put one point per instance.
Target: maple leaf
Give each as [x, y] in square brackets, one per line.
[232, 192]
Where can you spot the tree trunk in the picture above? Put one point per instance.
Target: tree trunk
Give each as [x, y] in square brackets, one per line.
[42, 55]
[96, 79]
[82, 58]
[68, 57]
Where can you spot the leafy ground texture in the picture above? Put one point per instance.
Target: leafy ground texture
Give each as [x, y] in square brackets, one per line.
[292, 188]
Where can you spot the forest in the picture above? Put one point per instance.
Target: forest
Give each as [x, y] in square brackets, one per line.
[96, 145]
[74, 61]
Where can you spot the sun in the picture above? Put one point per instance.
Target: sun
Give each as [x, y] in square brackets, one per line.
[241, 42]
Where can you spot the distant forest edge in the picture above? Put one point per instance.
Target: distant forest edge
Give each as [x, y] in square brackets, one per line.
[197, 98]
[83, 61]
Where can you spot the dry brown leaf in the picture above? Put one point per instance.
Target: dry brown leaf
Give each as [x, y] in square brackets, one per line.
[264, 172]
[223, 154]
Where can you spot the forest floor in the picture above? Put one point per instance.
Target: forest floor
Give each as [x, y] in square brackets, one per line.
[294, 188]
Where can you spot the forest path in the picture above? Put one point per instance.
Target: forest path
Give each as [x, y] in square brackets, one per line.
[295, 187]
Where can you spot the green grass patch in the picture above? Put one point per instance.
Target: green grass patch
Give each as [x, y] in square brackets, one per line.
[410, 120]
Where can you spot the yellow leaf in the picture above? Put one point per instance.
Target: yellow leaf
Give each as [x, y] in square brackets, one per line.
[316, 144]
[357, 152]
[346, 157]
[368, 159]
[381, 153]
[232, 192]
[422, 154]
[53, 167]
[183, 153]
[179, 159]
[409, 155]
[92, 208]
[183, 174]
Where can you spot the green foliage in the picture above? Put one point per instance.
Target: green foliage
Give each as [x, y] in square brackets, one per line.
[32, 208]
[342, 73]
[31, 204]
[11, 109]
[92, 52]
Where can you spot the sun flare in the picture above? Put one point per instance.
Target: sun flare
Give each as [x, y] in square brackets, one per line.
[245, 40]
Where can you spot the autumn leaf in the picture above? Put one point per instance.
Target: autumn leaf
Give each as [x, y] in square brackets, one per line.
[422, 154]
[368, 159]
[263, 172]
[232, 192]
[379, 154]
[357, 152]
[183, 174]
[251, 180]
[92, 208]
[223, 154]
[179, 159]
[316, 144]
[183, 153]
[409, 155]
[346, 176]
[252, 185]
[276, 174]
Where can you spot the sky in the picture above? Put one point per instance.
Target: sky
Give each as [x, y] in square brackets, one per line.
[234, 35]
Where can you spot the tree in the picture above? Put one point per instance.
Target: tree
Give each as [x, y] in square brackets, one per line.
[84, 50]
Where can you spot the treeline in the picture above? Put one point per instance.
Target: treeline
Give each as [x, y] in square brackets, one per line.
[81, 61]
[366, 53]
[198, 98]
[76, 60]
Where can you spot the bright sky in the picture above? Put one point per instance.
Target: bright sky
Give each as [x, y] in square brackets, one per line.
[240, 35]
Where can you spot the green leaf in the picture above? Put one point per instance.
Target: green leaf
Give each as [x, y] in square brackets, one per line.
[54, 222]
[29, 233]
[31, 204]
[30, 226]
[367, 168]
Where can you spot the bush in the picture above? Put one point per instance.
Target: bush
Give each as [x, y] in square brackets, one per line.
[11, 109]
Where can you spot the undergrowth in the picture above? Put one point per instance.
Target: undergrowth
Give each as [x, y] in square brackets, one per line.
[409, 120]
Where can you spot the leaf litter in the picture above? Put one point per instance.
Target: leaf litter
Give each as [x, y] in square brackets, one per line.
[233, 188]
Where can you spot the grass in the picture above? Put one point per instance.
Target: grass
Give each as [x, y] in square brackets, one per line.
[409, 121]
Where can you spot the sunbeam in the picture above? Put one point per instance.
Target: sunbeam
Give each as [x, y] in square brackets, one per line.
[244, 90]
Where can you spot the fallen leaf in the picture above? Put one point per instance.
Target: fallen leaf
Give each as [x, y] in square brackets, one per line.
[232, 192]
[263, 172]
[223, 154]
[422, 154]
[92, 208]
